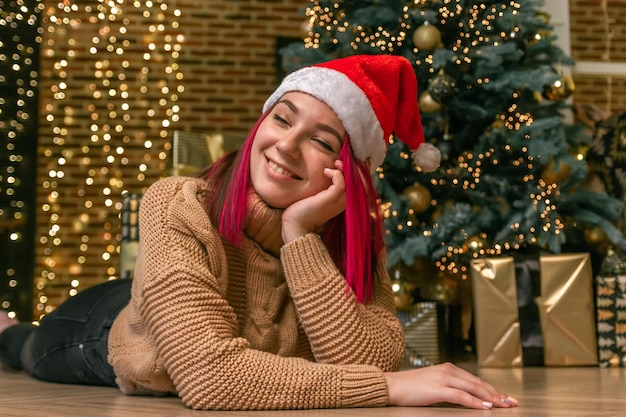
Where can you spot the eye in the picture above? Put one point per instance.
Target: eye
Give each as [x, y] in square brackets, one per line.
[324, 144]
[280, 119]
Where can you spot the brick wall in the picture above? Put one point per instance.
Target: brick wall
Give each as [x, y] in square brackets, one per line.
[116, 81]
[588, 24]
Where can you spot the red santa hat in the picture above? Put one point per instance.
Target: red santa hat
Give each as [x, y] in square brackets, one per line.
[373, 96]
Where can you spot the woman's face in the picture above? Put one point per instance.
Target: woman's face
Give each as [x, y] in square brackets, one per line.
[298, 139]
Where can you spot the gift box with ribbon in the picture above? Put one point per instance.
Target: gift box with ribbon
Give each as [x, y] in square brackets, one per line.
[534, 310]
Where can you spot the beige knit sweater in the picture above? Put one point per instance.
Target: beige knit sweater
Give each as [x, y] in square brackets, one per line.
[254, 327]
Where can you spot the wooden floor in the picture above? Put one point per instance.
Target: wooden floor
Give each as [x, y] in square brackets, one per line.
[542, 392]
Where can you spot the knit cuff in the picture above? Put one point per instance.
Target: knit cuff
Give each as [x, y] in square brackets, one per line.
[305, 260]
[363, 386]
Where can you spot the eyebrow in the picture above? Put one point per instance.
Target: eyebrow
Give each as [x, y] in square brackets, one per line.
[321, 126]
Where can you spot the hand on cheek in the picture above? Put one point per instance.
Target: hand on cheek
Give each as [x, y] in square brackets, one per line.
[312, 213]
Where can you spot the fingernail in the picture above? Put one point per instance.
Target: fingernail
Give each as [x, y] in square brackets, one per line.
[509, 400]
[487, 404]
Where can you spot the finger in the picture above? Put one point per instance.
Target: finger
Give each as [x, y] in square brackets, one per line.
[336, 176]
[485, 392]
[479, 388]
[464, 398]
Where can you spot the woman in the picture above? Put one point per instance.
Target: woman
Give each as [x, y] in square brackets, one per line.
[263, 284]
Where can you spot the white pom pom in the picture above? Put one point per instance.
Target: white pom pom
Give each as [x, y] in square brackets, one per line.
[427, 157]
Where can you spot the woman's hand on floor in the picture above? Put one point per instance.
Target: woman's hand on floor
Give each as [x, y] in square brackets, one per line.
[443, 383]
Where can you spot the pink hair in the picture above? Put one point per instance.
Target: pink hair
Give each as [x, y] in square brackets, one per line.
[353, 238]
[232, 180]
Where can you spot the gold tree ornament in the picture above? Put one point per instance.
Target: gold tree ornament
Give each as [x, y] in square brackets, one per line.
[418, 196]
[541, 35]
[427, 104]
[475, 244]
[498, 123]
[595, 236]
[581, 152]
[402, 293]
[544, 16]
[444, 289]
[427, 37]
[555, 173]
[560, 89]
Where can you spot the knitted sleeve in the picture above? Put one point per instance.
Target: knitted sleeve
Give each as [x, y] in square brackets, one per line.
[340, 330]
[195, 330]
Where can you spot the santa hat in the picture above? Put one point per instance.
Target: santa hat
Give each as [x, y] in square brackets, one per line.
[373, 96]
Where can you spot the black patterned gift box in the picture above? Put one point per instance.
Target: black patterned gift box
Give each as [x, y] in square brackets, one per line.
[607, 154]
[611, 315]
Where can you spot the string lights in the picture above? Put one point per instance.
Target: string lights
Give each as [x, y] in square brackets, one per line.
[128, 105]
[19, 47]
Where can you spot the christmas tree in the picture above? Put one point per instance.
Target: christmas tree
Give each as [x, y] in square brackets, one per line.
[493, 94]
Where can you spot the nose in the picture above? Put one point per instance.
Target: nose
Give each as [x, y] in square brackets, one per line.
[289, 144]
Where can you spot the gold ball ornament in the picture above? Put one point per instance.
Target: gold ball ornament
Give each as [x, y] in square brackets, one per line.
[541, 35]
[305, 26]
[444, 289]
[581, 152]
[417, 276]
[418, 196]
[427, 104]
[560, 89]
[402, 293]
[555, 174]
[544, 16]
[427, 37]
[595, 236]
[474, 244]
[498, 123]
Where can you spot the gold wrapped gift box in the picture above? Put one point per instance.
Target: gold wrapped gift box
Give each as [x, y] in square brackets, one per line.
[565, 306]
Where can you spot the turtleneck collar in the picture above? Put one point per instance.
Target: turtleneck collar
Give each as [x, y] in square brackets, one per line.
[263, 224]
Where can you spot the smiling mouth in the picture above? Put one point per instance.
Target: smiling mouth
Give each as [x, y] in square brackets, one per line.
[274, 167]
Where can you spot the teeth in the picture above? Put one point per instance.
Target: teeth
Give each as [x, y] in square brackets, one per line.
[281, 171]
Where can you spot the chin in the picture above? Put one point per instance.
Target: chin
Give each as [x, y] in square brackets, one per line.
[274, 202]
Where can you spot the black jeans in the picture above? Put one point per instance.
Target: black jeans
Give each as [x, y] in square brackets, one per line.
[70, 344]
